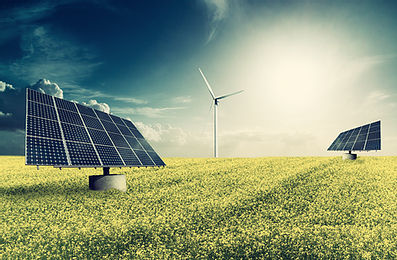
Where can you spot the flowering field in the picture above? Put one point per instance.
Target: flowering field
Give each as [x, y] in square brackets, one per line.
[204, 208]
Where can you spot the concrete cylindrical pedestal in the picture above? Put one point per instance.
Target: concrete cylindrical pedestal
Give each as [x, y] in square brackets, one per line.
[105, 182]
[349, 156]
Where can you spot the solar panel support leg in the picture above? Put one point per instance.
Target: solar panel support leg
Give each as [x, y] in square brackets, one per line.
[106, 170]
[349, 156]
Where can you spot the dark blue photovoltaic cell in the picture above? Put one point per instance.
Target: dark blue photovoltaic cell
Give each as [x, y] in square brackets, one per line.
[42, 151]
[109, 155]
[143, 157]
[103, 116]
[366, 137]
[42, 127]
[373, 135]
[117, 120]
[92, 122]
[118, 140]
[133, 142]
[348, 146]
[99, 137]
[129, 157]
[86, 110]
[124, 130]
[136, 133]
[110, 127]
[373, 145]
[157, 160]
[128, 123]
[40, 97]
[359, 146]
[69, 117]
[82, 154]
[40, 110]
[75, 133]
[145, 144]
[361, 138]
[65, 105]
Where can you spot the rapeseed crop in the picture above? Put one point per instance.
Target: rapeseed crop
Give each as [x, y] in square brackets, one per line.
[320, 207]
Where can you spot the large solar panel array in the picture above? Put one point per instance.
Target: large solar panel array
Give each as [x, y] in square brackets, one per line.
[65, 134]
[363, 138]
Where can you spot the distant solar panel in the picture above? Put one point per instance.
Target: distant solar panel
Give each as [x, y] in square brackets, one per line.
[363, 138]
[65, 134]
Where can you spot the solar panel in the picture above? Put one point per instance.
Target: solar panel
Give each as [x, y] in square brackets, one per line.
[66, 134]
[363, 138]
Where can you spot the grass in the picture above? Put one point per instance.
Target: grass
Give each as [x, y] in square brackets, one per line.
[204, 208]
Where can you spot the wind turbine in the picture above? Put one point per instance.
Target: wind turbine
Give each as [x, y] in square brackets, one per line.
[216, 99]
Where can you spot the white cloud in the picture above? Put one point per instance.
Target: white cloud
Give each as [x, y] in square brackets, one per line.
[78, 91]
[2, 114]
[159, 133]
[47, 87]
[4, 86]
[128, 99]
[151, 112]
[377, 96]
[98, 106]
[182, 99]
[219, 10]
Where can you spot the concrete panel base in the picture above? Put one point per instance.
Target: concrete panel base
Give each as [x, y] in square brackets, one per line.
[349, 156]
[105, 182]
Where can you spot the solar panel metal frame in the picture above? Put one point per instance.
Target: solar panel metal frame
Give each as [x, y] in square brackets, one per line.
[36, 94]
[341, 141]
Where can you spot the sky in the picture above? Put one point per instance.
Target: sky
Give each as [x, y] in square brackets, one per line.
[309, 70]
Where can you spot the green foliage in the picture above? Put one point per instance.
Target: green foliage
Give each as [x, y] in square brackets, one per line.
[311, 207]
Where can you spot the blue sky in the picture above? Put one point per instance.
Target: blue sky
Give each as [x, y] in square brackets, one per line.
[310, 69]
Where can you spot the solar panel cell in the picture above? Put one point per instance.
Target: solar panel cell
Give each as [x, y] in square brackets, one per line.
[103, 116]
[361, 137]
[43, 151]
[92, 122]
[67, 105]
[133, 142]
[110, 127]
[109, 155]
[144, 158]
[75, 133]
[40, 110]
[373, 135]
[374, 128]
[40, 97]
[373, 145]
[145, 144]
[99, 137]
[42, 127]
[69, 117]
[128, 123]
[118, 140]
[348, 146]
[124, 130]
[129, 157]
[86, 110]
[157, 160]
[117, 120]
[358, 146]
[136, 133]
[82, 154]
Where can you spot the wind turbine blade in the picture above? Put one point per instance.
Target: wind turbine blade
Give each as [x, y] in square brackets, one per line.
[228, 95]
[208, 84]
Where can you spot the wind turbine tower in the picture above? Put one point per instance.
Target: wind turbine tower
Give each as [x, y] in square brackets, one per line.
[216, 103]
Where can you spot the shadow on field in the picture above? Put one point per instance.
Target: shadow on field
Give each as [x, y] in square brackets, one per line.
[41, 189]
